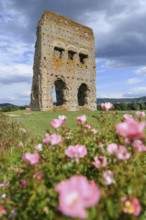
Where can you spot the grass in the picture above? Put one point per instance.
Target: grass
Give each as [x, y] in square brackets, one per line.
[11, 136]
[38, 122]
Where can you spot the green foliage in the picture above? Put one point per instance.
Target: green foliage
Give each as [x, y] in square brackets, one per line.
[12, 138]
[9, 108]
[124, 106]
[121, 100]
[39, 200]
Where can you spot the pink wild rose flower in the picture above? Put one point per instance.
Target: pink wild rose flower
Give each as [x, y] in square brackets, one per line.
[82, 119]
[122, 153]
[138, 145]
[77, 151]
[108, 177]
[106, 106]
[94, 131]
[76, 194]
[38, 175]
[4, 196]
[131, 129]
[131, 205]
[3, 184]
[31, 159]
[127, 141]
[88, 126]
[100, 161]
[112, 148]
[47, 139]
[140, 114]
[2, 211]
[39, 147]
[62, 117]
[127, 117]
[119, 151]
[53, 139]
[22, 183]
[57, 123]
[100, 146]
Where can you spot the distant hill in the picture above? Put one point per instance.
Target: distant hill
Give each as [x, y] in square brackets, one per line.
[6, 104]
[98, 101]
[122, 100]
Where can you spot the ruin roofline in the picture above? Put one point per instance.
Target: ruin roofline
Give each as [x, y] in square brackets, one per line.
[59, 17]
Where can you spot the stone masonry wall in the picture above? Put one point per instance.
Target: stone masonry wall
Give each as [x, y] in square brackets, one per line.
[64, 58]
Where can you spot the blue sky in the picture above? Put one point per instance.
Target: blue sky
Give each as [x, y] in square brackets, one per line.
[120, 40]
[123, 82]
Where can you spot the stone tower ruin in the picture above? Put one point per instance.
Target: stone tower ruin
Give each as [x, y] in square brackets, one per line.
[64, 59]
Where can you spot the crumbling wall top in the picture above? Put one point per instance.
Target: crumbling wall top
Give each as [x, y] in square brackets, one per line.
[49, 15]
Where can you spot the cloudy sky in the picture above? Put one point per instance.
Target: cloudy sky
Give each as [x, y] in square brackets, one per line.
[120, 32]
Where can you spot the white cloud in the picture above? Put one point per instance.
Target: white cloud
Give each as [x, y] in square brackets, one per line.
[18, 93]
[16, 70]
[133, 81]
[136, 92]
[16, 60]
[12, 51]
[139, 89]
[107, 95]
[99, 23]
[132, 93]
[141, 71]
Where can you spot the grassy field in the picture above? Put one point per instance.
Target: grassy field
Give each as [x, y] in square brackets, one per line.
[37, 122]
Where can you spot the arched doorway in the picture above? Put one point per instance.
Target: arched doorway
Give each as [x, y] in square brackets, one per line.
[59, 90]
[83, 95]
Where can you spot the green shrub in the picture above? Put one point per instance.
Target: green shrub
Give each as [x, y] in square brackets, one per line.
[31, 192]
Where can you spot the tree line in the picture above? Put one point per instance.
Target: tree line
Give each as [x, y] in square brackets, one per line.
[123, 106]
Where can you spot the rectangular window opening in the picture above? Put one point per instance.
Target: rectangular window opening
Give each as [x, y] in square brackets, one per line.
[71, 54]
[59, 51]
[83, 57]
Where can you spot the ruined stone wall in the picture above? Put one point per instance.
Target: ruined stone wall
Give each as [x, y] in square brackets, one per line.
[64, 58]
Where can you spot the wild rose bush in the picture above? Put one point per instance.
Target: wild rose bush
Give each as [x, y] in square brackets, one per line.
[86, 174]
